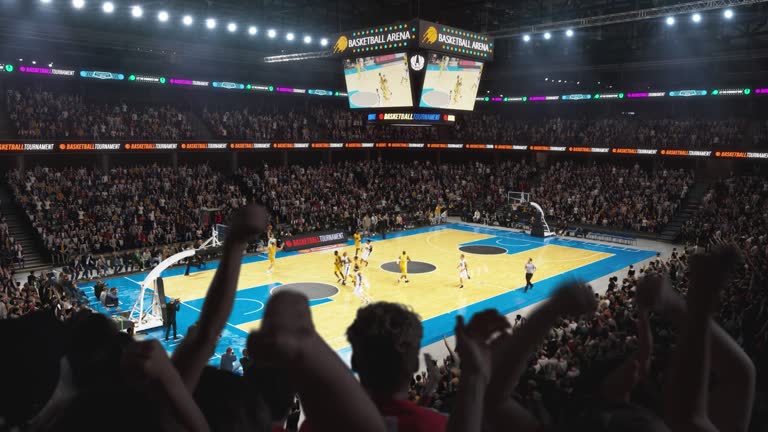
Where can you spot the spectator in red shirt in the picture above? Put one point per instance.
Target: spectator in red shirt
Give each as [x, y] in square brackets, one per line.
[385, 339]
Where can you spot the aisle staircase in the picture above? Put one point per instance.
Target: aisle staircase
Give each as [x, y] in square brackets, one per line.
[688, 208]
[199, 128]
[35, 256]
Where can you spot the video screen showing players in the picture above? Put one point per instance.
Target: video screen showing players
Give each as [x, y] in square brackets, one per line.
[380, 81]
[450, 83]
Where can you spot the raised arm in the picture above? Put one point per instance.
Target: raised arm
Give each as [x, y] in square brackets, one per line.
[688, 383]
[197, 347]
[472, 345]
[512, 353]
[730, 400]
[331, 397]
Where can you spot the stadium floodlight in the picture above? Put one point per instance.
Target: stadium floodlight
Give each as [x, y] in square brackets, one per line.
[728, 13]
[50, 64]
[137, 11]
[34, 62]
[232, 27]
[569, 33]
[252, 30]
[163, 16]
[696, 18]
[271, 33]
[210, 23]
[307, 39]
[526, 38]
[78, 4]
[547, 35]
[670, 21]
[108, 7]
[323, 42]
[187, 20]
[45, 1]
[290, 36]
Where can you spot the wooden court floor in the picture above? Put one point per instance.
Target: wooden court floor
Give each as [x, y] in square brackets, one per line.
[431, 295]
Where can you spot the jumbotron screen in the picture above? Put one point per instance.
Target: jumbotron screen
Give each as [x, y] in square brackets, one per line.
[378, 82]
[450, 83]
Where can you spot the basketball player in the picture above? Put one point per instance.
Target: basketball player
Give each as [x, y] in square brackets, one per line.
[360, 283]
[443, 65]
[477, 82]
[357, 238]
[457, 90]
[463, 271]
[367, 250]
[271, 252]
[384, 86]
[403, 261]
[346, 263]
[337, 266]
[530, 268]
[406, 76]
[359, 66]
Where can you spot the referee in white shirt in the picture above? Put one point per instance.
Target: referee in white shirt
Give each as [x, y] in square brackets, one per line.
[529, 269]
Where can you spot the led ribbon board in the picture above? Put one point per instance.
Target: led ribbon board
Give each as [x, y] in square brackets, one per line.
[415, 118]
[150, 79]
[102, 75]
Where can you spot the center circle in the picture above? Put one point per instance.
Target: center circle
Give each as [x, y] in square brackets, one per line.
[313, 290]
[436, 98]
[483, 250]
[413, 267]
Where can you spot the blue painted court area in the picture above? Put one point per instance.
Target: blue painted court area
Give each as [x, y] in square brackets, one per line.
[249, 303]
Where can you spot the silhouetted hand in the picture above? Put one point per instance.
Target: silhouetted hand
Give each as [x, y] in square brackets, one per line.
[574, 298]
[248, 223]
[286, 327]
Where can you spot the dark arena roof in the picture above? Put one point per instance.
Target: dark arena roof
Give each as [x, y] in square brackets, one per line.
[639, 48]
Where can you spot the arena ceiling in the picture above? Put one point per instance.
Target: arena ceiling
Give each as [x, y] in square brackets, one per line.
[734, 51]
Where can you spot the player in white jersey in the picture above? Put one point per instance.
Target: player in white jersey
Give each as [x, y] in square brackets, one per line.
[463, 271]
[367, 250]
[360, 286]
[346, 263]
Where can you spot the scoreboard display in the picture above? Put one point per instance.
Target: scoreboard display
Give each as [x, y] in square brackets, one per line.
[451, 83]
[382, 81]
[413, 64]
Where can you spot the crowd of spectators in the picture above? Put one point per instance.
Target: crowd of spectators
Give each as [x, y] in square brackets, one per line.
[692, 134]
[79, 211]
[611, 132]
[380, 195]
[36, 113]
[610, 195]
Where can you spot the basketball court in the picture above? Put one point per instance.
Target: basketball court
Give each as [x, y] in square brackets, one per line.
[495, 258]
[364, 86]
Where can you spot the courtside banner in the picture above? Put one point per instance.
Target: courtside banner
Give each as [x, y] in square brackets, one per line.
[307, 241]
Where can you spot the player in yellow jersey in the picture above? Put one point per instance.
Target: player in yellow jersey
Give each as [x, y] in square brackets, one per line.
[463, 271]
[403, 261]
[271, 252]
[443, 65]
[357, 238]
[359, 67]
[457, 90]
[337, 266]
